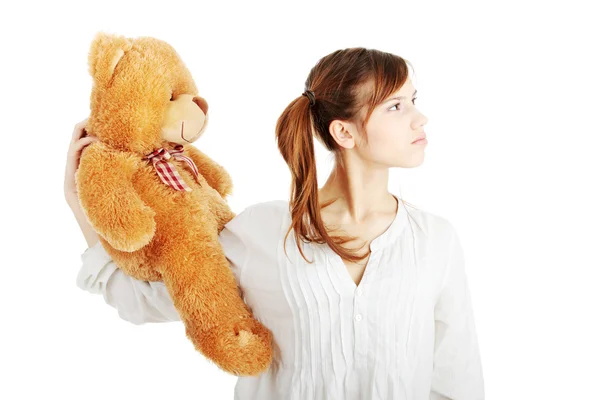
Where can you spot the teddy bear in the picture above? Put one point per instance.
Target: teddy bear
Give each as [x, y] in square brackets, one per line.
[158, 203]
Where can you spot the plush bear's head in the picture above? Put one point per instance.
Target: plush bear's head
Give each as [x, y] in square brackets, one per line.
[143, 95]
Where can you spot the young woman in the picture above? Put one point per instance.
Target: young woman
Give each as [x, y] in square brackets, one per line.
[365, 299]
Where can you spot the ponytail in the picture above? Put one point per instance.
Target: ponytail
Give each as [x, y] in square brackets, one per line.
[294, 133]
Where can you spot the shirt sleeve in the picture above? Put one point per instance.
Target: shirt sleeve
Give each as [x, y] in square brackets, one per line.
[136, 301]
[457, 369]
[139, 301]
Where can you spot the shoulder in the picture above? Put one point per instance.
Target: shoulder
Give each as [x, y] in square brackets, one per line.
[271, 207]
[437, 238]
[253, 231]
[259, 219]
[436, 228]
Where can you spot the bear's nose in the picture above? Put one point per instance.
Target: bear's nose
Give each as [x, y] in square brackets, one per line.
[201, 103]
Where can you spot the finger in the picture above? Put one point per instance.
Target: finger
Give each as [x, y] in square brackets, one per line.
[78, 146]
[81, 143]
[79, 129]
[78, 133]
[89, 138]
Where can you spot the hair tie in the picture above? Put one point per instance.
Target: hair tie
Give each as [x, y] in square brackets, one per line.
[311, 96]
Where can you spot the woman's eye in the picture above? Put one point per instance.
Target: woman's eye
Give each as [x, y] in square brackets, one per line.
[398, 104]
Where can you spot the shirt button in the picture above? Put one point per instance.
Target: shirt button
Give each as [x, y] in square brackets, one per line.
[359, 291]
[358, 317]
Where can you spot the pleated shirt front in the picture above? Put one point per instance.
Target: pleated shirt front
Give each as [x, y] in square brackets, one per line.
[336, 340]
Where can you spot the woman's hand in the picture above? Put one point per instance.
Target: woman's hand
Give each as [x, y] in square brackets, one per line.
[79, 140]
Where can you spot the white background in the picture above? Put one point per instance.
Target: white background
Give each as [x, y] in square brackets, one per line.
[511, 92]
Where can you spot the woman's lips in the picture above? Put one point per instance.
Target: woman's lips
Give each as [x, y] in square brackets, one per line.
[421, 138]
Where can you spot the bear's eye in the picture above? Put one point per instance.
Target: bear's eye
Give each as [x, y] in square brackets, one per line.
[171, 96]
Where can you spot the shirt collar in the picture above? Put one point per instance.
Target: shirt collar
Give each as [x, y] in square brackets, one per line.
[394, 230]
[391, 233]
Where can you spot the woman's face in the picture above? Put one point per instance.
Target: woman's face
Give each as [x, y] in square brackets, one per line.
[393, 127]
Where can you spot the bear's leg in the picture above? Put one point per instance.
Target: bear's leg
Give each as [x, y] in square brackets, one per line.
[218, 322]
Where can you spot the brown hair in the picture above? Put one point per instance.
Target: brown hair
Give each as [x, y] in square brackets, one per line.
[343, 83]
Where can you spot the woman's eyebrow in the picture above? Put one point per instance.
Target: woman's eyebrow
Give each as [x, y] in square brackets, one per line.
[400, 97]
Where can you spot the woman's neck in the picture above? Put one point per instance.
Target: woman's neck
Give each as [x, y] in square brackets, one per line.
[356, 197]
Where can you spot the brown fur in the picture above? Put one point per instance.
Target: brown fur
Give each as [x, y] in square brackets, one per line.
[152, 231]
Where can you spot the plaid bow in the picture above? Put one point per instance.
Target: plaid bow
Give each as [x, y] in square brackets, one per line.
[166, 171]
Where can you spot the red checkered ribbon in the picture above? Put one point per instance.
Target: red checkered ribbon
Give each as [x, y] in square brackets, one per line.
[166, 171]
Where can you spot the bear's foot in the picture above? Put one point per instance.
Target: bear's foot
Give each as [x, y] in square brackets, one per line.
[242, 349]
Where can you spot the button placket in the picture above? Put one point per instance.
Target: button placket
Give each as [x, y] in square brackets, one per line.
[360, 308]
[359, 299]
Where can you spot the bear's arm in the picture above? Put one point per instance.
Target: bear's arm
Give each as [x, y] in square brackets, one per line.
[109, 200]
[215, 174]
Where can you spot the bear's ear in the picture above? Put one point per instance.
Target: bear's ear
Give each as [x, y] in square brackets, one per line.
[105, 52]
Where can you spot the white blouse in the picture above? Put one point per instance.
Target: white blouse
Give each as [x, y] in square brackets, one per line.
[407, 331]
